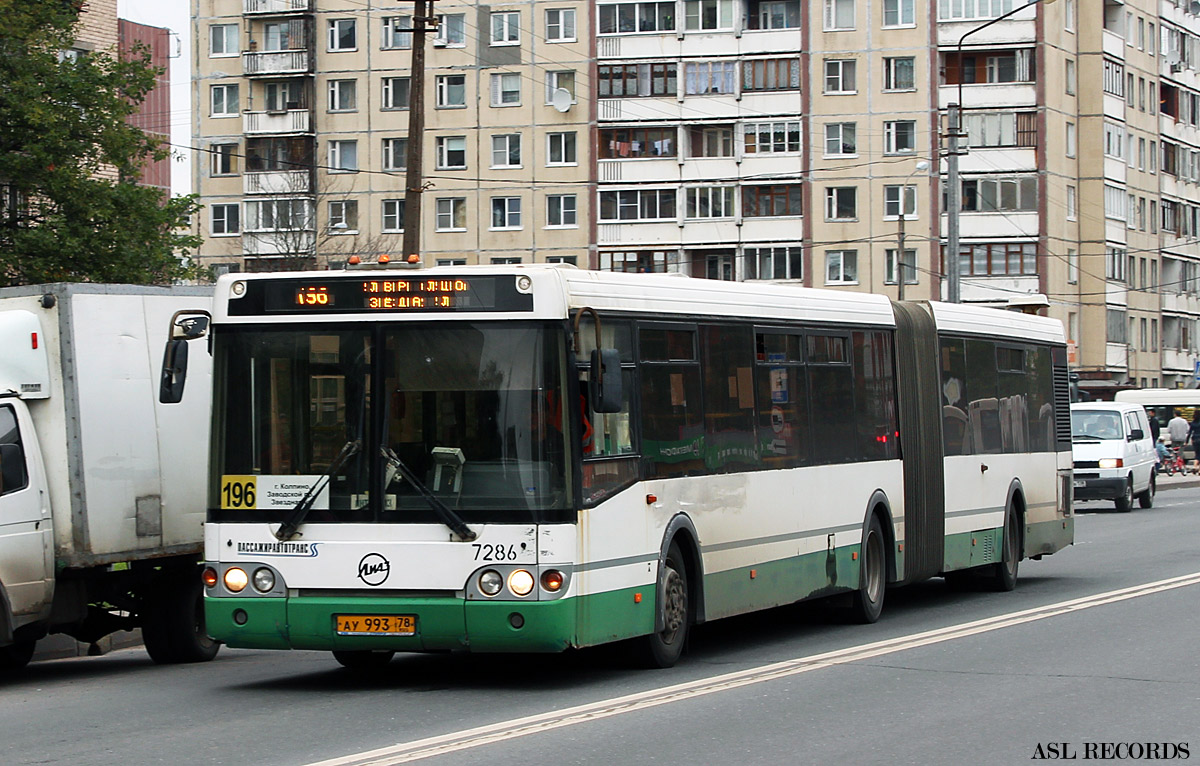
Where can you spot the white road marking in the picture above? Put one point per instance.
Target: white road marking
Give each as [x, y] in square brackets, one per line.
[505, 730]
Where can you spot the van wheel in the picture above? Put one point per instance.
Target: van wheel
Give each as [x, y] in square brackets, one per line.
[1146, 499]
[1124, 503]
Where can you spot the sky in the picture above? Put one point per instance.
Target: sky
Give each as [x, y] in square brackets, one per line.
[176, 16]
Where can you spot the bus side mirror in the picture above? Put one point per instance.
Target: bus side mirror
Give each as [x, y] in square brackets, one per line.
[605, 380]
[174, 372]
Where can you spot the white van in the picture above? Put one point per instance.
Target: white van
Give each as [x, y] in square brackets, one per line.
[1114, 454]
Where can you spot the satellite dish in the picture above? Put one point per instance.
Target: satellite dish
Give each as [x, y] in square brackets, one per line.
[561, 99]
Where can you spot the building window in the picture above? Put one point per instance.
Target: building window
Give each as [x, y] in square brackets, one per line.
[1072, 266]
[224, 101]
[839, 14]
[989, 195]
[393, 216]
[637, 143]
[1115, 263]
[898, 13]
[986, 9]
[560, 149]
[571, 259]
[998, 67]
[1072, 210]
[506, 89]
[560, 80]
[343, 156]
[841, 267]
[710, 141]
[709, 202]
[560, 25]
[638, 205]
[997, 259]
[1069, 15]
[1071, 140]
[343, 95]
[991, 129]
[910, 266]
[841, 203]
[451, 214]
[506, 212]
[561, 211]
[225, 220]
[1069, 78]
[343, 217]
[772, 201]
[839, 76]
[636, 80]
[771, 74]
[451, 152]
[451, 261]
[452, 30]
[1114, 78]
[772, 137]
[343, 35]
[506, 150]
[1114, 203]
[224, 159]
[899, 73]
[451, 91]
[395, 153]
[708, 14]
[899, 137]
[279, 215]
[703, 77]
[395, 92]
[623, 18]
[773, 14]
[840, 140]
[397, 32]
[223, 40]
[506, 28]
[891, 201]
[779, 262]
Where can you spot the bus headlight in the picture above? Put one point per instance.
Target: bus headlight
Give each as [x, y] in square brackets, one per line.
[235, 579]
[520, 582]
[490, 582]
[264, 580]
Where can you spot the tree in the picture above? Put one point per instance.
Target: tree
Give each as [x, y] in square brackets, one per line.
[71, 208]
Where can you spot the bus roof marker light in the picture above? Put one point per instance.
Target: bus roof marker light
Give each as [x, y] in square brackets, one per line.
[354, 260]
[238, 289]
[524, 283]
[385, 258]
[414, 258]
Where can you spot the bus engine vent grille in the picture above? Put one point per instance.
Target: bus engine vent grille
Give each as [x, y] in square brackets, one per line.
[989, 548]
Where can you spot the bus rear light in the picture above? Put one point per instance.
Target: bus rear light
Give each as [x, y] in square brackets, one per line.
[490, 582]
[552, 580]
[209, 577]
[236, 579]
[520, 582]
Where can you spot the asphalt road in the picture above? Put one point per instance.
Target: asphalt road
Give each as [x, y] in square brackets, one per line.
[1081, 655]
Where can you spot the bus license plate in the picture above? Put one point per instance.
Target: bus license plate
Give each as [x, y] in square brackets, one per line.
[376, 624]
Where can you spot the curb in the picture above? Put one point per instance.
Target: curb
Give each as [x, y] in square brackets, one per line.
[60, 646]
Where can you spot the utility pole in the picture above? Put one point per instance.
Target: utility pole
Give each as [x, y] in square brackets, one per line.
[414, 182]
[901, 268]
[953, 202]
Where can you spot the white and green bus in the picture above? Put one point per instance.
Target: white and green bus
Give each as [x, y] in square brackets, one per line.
[528, 459]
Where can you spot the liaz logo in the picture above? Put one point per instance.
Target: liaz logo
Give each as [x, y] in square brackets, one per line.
[374, 569]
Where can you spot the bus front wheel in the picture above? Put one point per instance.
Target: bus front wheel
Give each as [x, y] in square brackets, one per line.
[1004, 576]
[867, 604]
[364, 659]
[663, 647]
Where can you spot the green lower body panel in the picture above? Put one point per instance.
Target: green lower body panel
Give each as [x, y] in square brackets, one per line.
[774, 583]
[972, 549]
[1046, 537]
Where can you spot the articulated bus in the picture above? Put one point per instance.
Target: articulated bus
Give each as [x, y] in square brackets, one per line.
[530, 459]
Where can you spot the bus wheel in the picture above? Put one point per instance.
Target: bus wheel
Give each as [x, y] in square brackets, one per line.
[1146, 499]
[1124, 503]
[16, 656]
[1004, 574]
[173, 627]
[663, 648]
[363, 660]
[872, 581]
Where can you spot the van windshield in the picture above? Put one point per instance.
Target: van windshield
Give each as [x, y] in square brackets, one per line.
[1095, 424]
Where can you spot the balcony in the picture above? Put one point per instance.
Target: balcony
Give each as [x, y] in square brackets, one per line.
[275, 63]
[275, 7]
[280, 182]
[293, 242]
[281, 122]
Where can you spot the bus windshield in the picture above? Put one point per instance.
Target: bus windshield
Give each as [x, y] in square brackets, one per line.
[472, 411]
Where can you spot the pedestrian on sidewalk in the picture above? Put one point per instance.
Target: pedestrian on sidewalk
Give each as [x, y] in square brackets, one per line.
[1155, 428]
[1179, 430]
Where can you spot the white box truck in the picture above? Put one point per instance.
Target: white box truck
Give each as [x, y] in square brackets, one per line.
[102, 488]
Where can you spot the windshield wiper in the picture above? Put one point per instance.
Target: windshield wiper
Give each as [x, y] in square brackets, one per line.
[287, 530]
[448, 517]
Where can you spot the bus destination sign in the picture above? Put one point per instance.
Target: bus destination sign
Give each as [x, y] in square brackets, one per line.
[384, 294]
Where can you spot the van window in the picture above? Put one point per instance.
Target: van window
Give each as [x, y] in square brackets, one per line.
[1096, 424]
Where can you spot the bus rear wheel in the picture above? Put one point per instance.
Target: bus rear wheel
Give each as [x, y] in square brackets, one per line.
[867, 604]
[662, 648]
[16, 656]
[363, 660]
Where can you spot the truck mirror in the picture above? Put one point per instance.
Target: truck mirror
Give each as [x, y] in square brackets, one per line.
[174, 372]
[12, 467]
[189, 327]
[604, 382]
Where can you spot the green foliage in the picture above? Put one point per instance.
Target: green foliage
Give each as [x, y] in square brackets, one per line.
[71, 208]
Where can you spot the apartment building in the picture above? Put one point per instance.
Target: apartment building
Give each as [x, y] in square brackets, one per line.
[303, 114]
[736, 139]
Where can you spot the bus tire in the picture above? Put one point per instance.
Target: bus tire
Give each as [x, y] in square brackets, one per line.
[1004, 574]
[1146, 499]
[1124, 502]
[173, 628]
[662, 648]
[364, 659]
[16, 655]
[867, 603]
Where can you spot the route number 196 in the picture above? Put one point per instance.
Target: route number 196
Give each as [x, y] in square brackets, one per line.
[238, 492]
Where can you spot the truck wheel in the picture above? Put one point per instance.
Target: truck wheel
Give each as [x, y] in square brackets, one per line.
[1146, 499]
[16, 656]
[173, 627]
